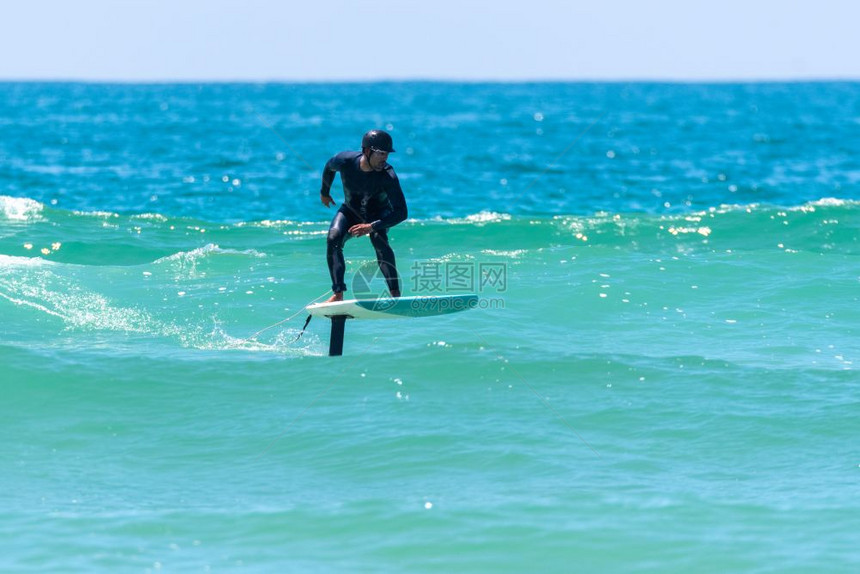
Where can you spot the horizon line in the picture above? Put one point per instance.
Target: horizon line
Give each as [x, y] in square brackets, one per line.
[441, 80]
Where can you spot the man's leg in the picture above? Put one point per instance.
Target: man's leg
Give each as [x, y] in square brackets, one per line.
[337, 235]
[385, 258]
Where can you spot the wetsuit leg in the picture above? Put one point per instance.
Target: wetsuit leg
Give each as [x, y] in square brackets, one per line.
[385, 258]
[338, 233]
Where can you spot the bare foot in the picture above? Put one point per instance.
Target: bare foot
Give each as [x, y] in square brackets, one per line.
[335, 298]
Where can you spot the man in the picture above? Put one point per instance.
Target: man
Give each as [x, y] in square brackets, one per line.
[373, 202]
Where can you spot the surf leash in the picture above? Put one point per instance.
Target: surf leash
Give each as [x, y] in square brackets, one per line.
[282, 321]
[302, 332]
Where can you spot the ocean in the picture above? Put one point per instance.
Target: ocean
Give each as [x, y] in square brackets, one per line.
[661, 375]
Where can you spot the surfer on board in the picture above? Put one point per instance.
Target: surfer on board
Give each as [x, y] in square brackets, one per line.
[373, 202]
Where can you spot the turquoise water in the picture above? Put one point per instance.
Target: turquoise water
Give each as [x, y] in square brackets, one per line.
[662, 378]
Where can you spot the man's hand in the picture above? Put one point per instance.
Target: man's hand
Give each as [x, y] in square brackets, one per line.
[327, 200]
[360, 229]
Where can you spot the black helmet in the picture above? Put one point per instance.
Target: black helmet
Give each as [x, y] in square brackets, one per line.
[378, 140]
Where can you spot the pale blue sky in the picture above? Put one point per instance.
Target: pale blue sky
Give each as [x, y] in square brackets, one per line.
[444, 39]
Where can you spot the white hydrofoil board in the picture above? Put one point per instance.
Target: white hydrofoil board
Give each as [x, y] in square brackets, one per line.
[400, 308]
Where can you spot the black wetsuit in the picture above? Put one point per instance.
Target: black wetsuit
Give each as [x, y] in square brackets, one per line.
[371, 197]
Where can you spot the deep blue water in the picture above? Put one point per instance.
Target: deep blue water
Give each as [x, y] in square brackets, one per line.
[663, 377]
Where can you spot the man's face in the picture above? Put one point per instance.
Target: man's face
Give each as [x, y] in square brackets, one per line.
[377, 159]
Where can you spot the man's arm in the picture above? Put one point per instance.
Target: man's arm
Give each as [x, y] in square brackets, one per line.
[397, 214]
[399, 211]
[325, 189]
[332, 166]
[327, 200]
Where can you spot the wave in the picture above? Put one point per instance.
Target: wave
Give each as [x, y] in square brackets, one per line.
[196, 263]
[27, 209]
[284, 341]
[481, 218]
[20, 209]
[39, 288]
[13, 261]
[59, 296]
[207, 250]
[823, 225]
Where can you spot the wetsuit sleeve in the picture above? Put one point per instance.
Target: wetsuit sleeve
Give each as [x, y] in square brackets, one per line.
[398, 212]
[332, 166]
